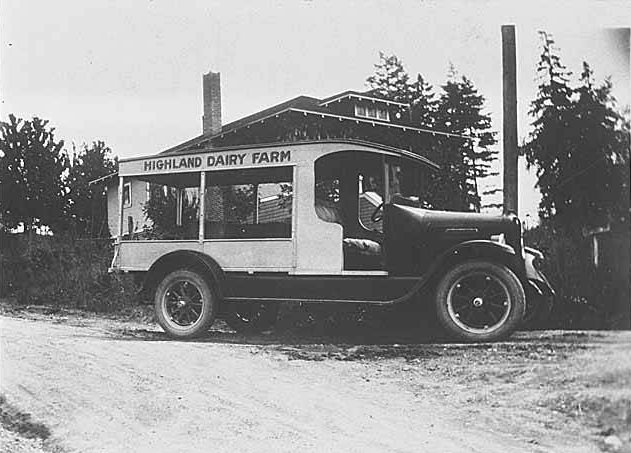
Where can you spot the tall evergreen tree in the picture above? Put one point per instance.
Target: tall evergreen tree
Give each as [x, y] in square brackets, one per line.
[579, 147]
[423, 103]
[458, 110]
[600, 151]
[464, 161]
[390, 80]
[549, 144]
[32, 166]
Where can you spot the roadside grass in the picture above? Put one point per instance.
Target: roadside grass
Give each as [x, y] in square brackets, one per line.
[63, 272]
[609, 414]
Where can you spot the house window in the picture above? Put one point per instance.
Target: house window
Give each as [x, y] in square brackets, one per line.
[373, 111]
[127, 195]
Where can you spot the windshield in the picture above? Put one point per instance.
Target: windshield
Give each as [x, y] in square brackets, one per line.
[405, 182]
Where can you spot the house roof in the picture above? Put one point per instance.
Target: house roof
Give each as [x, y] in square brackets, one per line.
[300, 102]
[371, 95]
[308, 105]
[305, 102]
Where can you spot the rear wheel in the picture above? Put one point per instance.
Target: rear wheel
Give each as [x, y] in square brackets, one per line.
[185, 304]
[251, 316]
[480, 301]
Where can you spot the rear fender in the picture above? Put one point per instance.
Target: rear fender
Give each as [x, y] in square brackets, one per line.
[188, 259]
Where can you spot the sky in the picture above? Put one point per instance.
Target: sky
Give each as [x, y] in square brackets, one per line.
[130, 72]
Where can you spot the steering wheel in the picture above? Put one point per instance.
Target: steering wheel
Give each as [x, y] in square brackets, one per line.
[377, 214]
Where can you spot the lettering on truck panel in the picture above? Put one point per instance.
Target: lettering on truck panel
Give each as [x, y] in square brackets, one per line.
[217, 160]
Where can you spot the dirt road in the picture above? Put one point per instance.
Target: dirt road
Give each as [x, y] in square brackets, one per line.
[101, 386]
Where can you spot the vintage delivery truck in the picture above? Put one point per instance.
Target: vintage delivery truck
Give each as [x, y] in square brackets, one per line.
[234, 231]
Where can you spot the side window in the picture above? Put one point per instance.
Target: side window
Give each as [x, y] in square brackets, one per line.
[172, 208]
[370, 197]
[328, 206]
[127, 195]
[249, 204]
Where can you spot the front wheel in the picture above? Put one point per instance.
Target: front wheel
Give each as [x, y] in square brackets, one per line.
[479, 301]
[185, 304]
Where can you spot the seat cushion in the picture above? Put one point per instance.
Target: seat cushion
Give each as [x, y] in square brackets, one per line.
[365, 247]
[329, 213]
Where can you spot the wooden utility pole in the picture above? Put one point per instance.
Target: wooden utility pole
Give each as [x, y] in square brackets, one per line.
[509, 88]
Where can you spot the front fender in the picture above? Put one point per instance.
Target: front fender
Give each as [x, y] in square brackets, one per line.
[476, 249]
[539, 293]
[536, 279]
[484, 249]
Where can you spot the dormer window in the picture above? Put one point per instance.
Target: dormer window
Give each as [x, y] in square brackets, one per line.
[372, 111]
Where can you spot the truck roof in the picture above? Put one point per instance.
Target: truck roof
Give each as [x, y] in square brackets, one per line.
[377, 146]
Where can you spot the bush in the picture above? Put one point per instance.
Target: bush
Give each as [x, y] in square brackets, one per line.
[586, 295]
[63, 272]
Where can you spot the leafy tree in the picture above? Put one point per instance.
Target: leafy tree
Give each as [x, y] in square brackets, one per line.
[579, 147]
[88, 203]
[32, 167]
[240, 202]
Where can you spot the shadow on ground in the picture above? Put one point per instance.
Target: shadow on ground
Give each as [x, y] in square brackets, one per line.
[409, 346]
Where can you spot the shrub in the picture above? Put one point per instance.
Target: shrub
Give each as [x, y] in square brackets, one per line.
[64, 272]
[586, 295]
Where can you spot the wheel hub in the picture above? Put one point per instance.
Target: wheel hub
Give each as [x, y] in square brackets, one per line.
[477, 302]
[183, 304]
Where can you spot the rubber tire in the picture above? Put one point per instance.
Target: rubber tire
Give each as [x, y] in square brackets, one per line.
[209, 305]
[264, 319]
[502, 273]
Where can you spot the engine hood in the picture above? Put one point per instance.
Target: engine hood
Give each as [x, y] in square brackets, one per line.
[414, 237]
[450, 227]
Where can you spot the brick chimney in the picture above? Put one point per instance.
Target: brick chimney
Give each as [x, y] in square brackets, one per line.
[211, 120]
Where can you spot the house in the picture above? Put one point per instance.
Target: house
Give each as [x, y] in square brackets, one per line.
[354, 115]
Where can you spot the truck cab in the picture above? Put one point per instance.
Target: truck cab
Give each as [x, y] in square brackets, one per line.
[234, 231]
